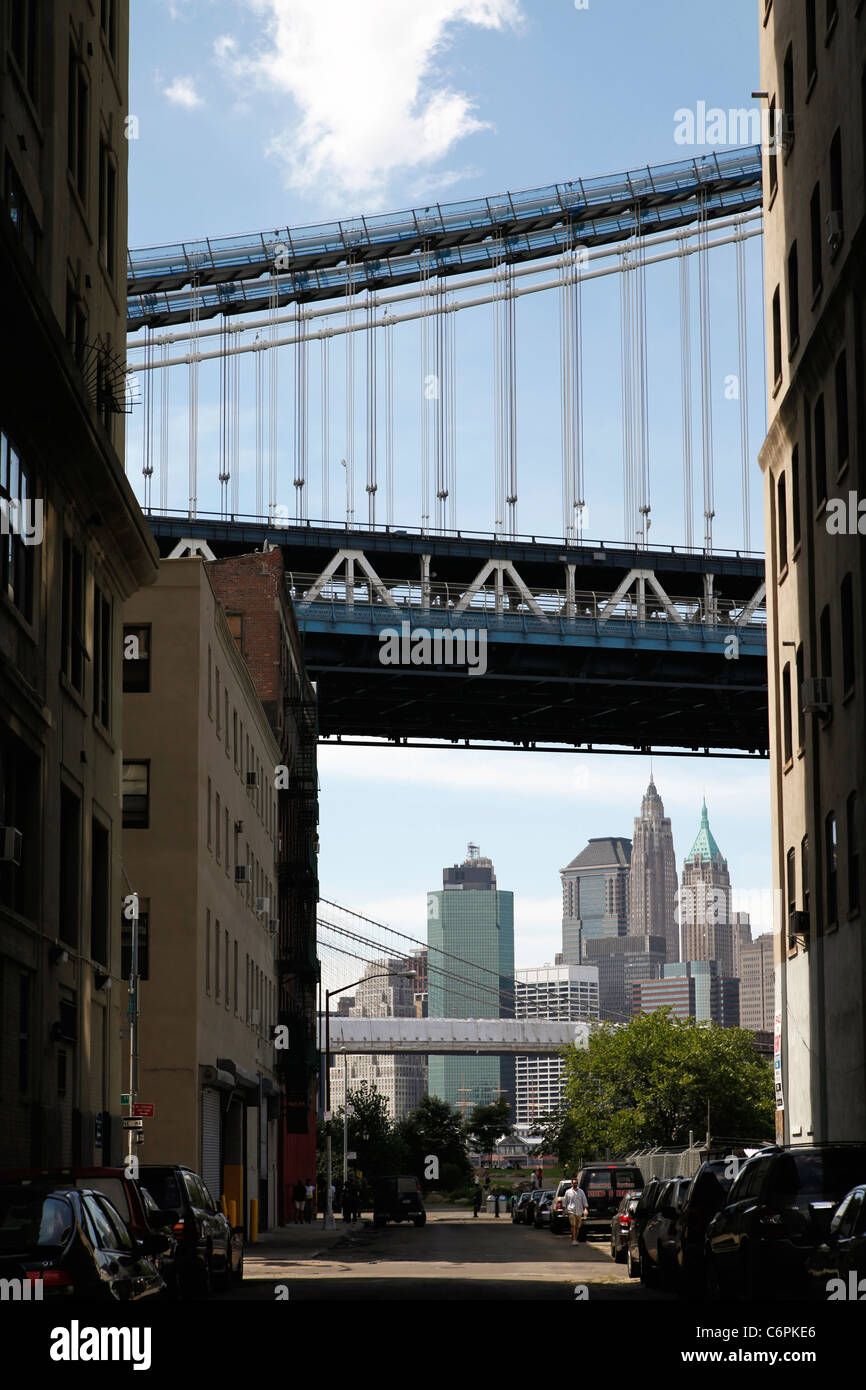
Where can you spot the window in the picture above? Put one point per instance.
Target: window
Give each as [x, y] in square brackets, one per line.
[793, 300]
[100, 890]
[237, 985]
[20, 783]
[142, 942]
[846, 594]
[136, 659]
[209, 816]
[795, 496]
[811, 43]
[108, 208]
[101, 657]
[801, 718]
[108, 24]
[772, 157]
[853, 846]
[209, 682]
[236, 627]
[786, 713]
[136, 796]
[815, 238]
[832, 14]
[820, 453]
[226, 822]
[219, 827]
[235, 735]
[20, 529]
[69, 905]
[218, 724]
[77, 122]
[836, 181]
[830, 854]
[24, 42]
[788, 91]
[791, 881]
[841, 411]
[73, 648]
[826, 643]
[227, 729]
[781, 524]
[21, 214]
[216, 956]
[207, 950]
[777, 338]
[76, 322]
[804, 874]
[226, 961]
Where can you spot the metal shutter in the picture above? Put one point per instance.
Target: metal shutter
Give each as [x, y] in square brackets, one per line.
[211, 1167]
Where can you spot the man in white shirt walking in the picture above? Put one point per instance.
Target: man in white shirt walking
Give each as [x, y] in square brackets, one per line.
[575, 1206]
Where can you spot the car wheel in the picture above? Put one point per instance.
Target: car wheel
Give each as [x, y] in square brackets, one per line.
[420, 1219]
[612, 1249]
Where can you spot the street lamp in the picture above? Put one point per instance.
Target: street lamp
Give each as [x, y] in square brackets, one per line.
[330, 1223]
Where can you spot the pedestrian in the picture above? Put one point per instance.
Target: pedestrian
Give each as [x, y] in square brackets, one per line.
[476, 1200]
[299, 1192]
[496, 1203]
[487, 1183]
[575, 1206]
[309, 1199]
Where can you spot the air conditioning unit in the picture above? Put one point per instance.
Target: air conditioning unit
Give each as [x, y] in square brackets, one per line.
[263, 905]
[815, 695]
[798, 929]
[243, 873]
[252, 779]
[10, 845]
[833, 226]
[273, 925]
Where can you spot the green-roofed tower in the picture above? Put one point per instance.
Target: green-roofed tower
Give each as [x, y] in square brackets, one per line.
[706, 920]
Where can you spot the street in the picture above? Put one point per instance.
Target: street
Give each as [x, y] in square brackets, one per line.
[453, 1257]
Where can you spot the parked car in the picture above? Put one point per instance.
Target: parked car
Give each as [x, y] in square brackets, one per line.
[605, 1185]
[558, 1215]
[518, 1211]
[210, 1252]
[541, 1209]
[534, 1198]
[643, 1210]
[77, 1243]
[620, 1227]
[657, 1243]
[140, 1213]
[777, 1213]
[842, 1256]
[398, 1198]
[706, 1196]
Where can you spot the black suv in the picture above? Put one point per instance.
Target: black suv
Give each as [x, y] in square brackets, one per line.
[210, 1252]
[605, 1185]
[398, 1199]
[778, 1211]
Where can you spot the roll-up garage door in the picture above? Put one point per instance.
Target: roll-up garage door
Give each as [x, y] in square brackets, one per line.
[211, 1166]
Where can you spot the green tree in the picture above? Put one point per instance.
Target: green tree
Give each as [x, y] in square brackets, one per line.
[435, 1129]
[649, 1082]
[487, 1123]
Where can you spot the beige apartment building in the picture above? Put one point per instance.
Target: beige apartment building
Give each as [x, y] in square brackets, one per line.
[74, 547]
[757, 987]
[813, 69]
[200, 824]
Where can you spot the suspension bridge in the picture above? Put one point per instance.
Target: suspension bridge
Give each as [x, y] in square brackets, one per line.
[590, 644]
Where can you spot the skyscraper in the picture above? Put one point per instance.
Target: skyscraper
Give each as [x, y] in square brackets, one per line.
[595, 895]
[470, 940]
[756, 984]
[400, 1078]
[653, 875]
[705, 903]
[567, 992]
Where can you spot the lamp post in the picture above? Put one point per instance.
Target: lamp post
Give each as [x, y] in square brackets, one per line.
[330, 1223]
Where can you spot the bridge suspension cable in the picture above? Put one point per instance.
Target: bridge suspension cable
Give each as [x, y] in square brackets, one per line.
[706, 370]
[147, 421]
[260, 431]
[686, 389]
[571, 396]
[743, 384]
[223, 470]
[273, 401]
[505, 397]
[428, 382]
[193, 396]
[326, 427]
[164, 405]
[389, 420]
[372, 402]
[301, 402]
[349, 460]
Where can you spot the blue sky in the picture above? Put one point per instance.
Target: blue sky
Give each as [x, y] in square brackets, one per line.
[259, 113]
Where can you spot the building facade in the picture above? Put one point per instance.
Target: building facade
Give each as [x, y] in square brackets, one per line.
[73, 547]
[566, 992]
[400, 1078]
[757, 985]
[621, 961]
[653, 875]
[470, 934]
[252, 589]
[706, 919]
[741, 938]
[595, 895]
[814, 71]
[691, 989]
[200, 827]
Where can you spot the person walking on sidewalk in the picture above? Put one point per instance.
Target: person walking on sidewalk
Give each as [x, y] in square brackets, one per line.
[476, 1200]
[309, 1199]
[575, 1206]
[298, 1195]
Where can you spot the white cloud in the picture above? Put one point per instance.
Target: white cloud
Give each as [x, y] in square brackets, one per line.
[182, 92]
[367, 83]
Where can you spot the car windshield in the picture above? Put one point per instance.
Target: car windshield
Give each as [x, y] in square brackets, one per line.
[821, 1175]
[29, 1219]
[165, 1189]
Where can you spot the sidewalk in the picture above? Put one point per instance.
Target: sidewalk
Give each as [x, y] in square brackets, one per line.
[299, 1242]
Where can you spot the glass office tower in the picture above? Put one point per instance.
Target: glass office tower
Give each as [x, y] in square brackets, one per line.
[470, 937]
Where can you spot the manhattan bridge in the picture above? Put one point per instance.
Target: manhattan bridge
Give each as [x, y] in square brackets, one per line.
[593, 644]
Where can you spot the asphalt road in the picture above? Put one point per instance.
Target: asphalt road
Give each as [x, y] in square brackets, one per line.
[453, 1256]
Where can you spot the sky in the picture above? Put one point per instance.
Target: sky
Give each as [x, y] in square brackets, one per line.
[256, 114]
